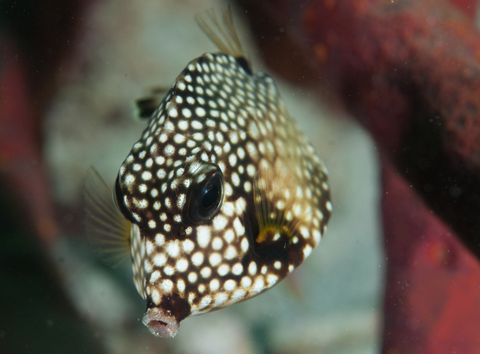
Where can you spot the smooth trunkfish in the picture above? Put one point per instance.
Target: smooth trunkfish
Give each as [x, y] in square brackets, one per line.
[221, 198]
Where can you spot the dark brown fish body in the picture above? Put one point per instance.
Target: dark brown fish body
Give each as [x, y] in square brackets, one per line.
[225, 194]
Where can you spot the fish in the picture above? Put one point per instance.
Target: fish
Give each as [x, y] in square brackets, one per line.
[221, 197]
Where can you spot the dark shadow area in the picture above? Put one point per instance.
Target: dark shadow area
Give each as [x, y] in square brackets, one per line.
[35, 314]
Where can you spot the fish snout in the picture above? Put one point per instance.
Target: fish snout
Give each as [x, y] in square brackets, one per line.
[164, 314]
[160, 323]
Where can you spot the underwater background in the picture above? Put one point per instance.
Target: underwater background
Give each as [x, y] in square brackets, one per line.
[69, 76]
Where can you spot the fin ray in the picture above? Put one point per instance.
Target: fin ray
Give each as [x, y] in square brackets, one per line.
[220, 30]
[278, 206]
[108, 232]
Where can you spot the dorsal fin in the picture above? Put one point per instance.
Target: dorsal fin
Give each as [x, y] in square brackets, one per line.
[221, 31]
[107, 230]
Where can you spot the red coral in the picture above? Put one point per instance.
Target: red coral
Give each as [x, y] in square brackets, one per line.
[410, 72]
[36, 41]
[432, 298]
[20, 151]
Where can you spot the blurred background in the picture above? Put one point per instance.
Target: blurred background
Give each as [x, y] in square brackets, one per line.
[55, 297]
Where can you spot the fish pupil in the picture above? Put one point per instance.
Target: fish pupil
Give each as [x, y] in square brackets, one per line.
[205, 197]
[211, 196]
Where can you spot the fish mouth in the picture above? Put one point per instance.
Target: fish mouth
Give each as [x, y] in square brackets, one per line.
[159, 323]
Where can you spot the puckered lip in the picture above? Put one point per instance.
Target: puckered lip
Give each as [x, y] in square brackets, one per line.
[159, 323]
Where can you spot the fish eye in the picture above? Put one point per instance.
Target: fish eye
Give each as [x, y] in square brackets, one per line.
[205, 194]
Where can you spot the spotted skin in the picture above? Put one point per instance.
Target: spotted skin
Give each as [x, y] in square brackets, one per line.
[218, 114]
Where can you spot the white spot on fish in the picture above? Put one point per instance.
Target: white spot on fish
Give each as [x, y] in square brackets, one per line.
[203, 236]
